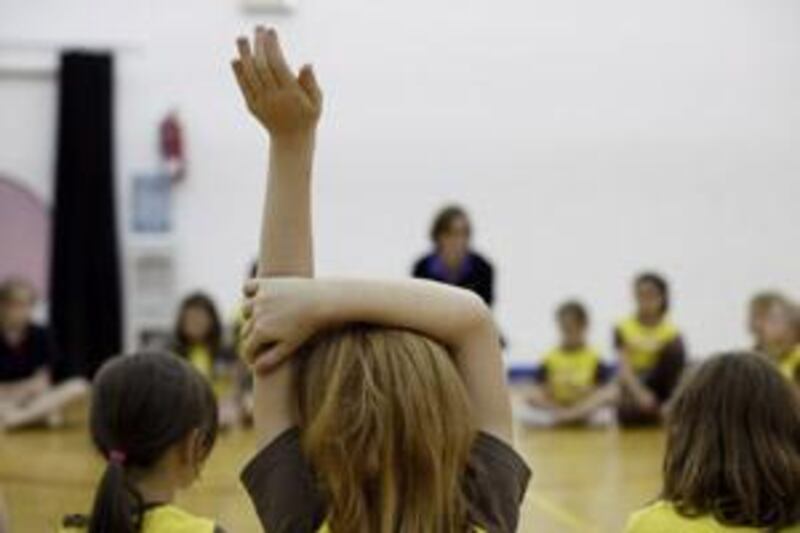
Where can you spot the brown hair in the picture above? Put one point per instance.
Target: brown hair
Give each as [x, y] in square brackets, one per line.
[733, 445]
[445, 218]
[9, 285]
[766, 299]
[386, 425]
[660, 283]
[142, 405]
[213, 338]
[575, 309]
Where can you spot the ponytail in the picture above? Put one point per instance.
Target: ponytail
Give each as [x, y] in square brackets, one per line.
[132, 430]
[117, 505]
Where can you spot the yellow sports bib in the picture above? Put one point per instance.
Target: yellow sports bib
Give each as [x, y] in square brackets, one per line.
[642, 344]
[790, 364]
[571, 374]
[326, 529]
[661, 517]
[201, 360]
[165, 519]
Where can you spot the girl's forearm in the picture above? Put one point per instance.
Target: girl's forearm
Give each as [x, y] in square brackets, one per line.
[286, 241]
[448, 315]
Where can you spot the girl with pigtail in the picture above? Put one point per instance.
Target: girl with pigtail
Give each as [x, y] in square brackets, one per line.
[154, 420]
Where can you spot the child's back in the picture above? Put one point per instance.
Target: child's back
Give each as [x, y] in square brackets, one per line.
[386, 431]
[733, 452]
[154, 419]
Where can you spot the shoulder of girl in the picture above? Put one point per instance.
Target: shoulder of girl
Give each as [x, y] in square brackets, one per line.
[657, 517]
[173, 519]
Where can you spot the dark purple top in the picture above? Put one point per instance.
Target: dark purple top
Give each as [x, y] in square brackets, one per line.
[475, 273]
[36, 351]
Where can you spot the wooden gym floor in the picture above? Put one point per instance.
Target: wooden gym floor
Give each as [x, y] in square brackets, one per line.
[585, 481]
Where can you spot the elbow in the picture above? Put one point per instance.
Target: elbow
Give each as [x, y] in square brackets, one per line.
[478, 315]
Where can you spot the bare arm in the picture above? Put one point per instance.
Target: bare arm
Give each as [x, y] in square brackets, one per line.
[286, 312]
[289, 107]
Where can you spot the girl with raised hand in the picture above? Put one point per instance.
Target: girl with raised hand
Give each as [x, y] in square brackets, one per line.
[154, 420]
[380, 406]
[733, 453]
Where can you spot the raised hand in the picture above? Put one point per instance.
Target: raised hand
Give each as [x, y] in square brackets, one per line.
[285, 104]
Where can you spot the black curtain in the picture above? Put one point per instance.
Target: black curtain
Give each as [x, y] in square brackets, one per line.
[85, 296]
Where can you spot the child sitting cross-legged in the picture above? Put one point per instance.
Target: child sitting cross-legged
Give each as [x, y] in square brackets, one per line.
[574, 385]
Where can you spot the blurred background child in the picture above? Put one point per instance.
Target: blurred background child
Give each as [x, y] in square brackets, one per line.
[733, 453]
[651, 353]
[778, 336]
[759, 308]
[199, 338]
[572, 380]
[28, 356]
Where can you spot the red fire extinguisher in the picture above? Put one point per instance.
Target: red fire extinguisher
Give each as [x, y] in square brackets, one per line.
[172, 149]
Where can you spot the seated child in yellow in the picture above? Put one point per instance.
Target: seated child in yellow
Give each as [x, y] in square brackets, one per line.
[643, 344]
[154, 420]
[732, 459]
[570, 375]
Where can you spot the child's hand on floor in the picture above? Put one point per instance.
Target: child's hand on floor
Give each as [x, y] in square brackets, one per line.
[285, 104]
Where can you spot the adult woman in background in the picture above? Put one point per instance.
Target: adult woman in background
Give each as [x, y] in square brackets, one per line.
[651, 352]
[453, 261]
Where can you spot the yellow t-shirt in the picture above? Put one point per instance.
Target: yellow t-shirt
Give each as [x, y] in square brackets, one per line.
[164, 519]
[661, 517]
[570, 374]
[202, 360]
[789, 364]
[642, 343]
[326, 529]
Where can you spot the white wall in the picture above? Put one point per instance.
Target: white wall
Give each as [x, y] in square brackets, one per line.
[590, 140]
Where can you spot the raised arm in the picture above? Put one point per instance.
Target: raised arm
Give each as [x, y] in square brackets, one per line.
[286, 312]
[288, 107]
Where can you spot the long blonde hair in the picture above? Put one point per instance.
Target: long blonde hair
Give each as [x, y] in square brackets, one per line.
[386, 425]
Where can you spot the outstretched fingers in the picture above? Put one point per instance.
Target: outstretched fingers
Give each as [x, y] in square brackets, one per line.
[248, 91]
[262, 61]
[308, 81]
[274, 53]
[248, 66]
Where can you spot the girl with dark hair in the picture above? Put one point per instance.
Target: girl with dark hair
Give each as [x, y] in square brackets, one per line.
[198, 333]
[733, 453]
[199, 340]
[452, 260]
[651, 353]
[154, 419]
